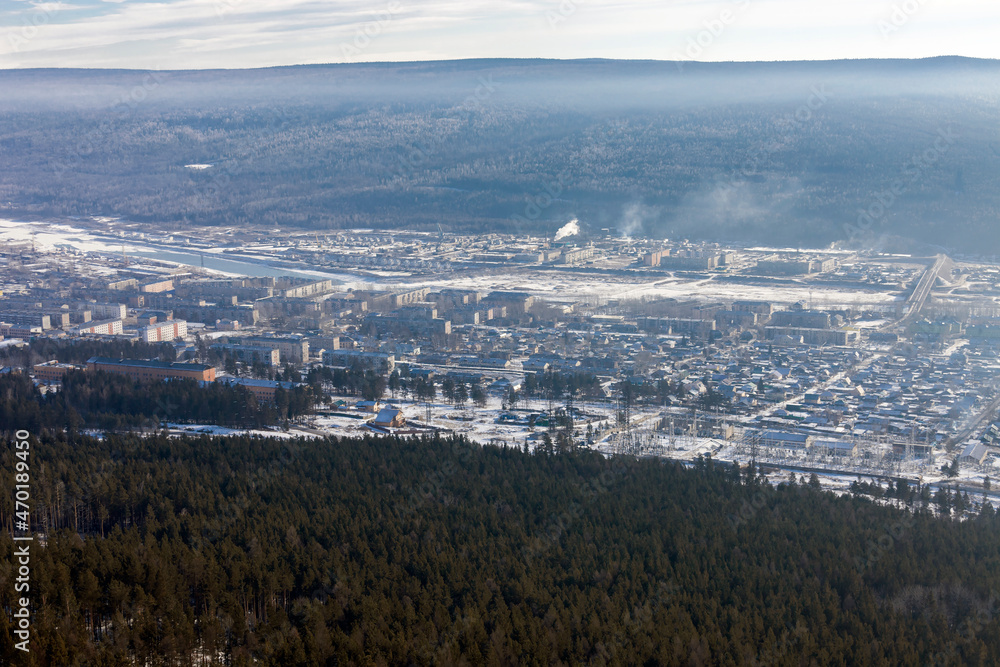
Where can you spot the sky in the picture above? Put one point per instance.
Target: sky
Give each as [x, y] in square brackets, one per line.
[200, 34]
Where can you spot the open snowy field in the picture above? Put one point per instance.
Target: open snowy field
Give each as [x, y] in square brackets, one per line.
[51, 236]
[599, 289]
[208, 429]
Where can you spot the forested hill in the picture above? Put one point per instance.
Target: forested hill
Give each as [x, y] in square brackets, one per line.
[765, 152]
[419, 552]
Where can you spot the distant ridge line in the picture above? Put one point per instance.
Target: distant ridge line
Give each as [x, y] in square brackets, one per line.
[488, 62]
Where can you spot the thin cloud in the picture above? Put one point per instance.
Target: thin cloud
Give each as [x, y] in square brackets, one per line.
[251, 33]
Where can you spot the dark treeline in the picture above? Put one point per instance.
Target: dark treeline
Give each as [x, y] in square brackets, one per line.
[111, 401]
[78, 350]
[351, 381]
[374, 550]
[556, 385]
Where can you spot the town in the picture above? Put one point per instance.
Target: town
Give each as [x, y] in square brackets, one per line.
[832, 362]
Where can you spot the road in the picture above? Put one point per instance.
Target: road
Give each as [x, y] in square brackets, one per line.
[914, 304]
[815, 389]
[987, 412]
[918, 298]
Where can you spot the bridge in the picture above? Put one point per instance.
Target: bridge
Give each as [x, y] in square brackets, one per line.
[916, 301]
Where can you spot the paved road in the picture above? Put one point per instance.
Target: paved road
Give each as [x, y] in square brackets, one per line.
[815, 389]
[986, 413]
[918, 298]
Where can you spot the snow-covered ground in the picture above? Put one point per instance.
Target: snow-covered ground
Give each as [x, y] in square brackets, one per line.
[559, 287]
[51, 236]
[481, 425]
[564, 287]
[834, 475]
[209, 429]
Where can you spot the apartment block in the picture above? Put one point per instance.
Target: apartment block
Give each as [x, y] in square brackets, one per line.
[104, 327]
[251, 354]
[163, 331]
[294, 349]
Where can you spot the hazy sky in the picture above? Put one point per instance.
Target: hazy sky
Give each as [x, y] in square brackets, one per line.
[167, 34]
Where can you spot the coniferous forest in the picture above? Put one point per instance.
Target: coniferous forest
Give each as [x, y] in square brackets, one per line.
[383, 551]
[111, 401]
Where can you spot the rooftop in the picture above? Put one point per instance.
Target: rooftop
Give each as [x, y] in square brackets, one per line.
[149, 363]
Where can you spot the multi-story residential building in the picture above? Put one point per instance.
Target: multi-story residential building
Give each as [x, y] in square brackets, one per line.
[294, 349]
[813, 336]
[157, 287]
[105, 327]
[125, 284]
[352, 358]
[806, 319]
[30, 318]
[110, 311]
[163, 331]
[735, 318]
[764, 308]
[686, 327]
[310, 289]
[250, 354]
[576, 255]
[515, 302]
[418, 325]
